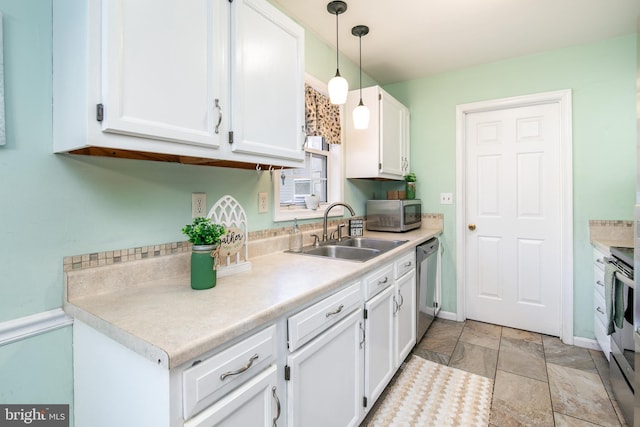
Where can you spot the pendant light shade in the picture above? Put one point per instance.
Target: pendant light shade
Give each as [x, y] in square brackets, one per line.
[338, 85]
[361, 112]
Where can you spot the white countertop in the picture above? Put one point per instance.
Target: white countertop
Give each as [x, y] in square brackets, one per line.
[170, 323]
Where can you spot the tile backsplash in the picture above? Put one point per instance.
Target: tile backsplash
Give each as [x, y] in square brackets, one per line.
[260, 242]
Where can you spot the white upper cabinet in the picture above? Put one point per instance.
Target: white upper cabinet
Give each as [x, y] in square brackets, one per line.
[382, 150]
[267, 60]
[161, 73]
[193, 81]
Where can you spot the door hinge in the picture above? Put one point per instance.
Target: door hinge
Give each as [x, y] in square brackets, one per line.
[230, 137]
[379, 97]
[287, 373]
[379, 166]
[99, 112]
[364, 401]
[366, 314]
[435, 304]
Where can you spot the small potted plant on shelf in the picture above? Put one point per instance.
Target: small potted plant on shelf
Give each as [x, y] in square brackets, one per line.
[410, 180]
[205, 237]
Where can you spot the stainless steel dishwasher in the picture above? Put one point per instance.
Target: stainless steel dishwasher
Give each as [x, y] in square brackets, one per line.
[426, 280]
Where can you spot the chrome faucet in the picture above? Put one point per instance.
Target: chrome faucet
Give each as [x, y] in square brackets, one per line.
[326, 214]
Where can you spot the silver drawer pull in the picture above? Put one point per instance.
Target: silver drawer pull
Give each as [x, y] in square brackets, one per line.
[219, 108]
[599, 310]
[408, 264]
[382, 282]
[331, 313]
[599, 261]
[275, 396]
[599, 282]
[241, 370]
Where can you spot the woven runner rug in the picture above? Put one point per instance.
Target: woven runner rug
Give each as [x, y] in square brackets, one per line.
[429, 394]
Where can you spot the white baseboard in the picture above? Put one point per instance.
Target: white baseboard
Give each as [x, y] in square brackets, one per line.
[446, 315]
[586, 343]
[35, 324]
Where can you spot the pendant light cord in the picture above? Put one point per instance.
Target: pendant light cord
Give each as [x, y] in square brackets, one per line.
[360, 40]
[337, 48]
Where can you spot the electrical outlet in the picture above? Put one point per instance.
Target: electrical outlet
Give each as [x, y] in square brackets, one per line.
[198, 204]
[446, 198]
[263, 204]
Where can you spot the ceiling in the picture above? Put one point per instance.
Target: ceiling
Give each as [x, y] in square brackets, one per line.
[409, 39]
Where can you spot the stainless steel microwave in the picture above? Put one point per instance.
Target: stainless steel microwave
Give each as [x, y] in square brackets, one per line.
[394, 215]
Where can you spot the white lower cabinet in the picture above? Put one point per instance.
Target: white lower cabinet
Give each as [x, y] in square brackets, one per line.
[599, 308]
[257, 403]
[405, 317]
[379, 344]
[325, 377]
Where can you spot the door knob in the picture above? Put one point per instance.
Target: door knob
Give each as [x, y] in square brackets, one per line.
[472, 227]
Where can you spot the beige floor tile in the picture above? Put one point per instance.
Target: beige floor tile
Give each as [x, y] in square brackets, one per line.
[557, 352]
[563, 420]
[602, 366]
[442, 337]
[522, 358]
[591, 404]
[482, 334]
[475, 359]
[519, 334]
[520, 401]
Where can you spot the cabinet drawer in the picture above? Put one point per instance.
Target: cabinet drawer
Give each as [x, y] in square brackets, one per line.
[598, 259]
[307, 324]
[599, 309]
[598, 281]
[377, 281]
[207, 381]
[404, 264]
[602, 338]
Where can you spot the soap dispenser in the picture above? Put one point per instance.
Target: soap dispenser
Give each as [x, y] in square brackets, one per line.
[295, 238]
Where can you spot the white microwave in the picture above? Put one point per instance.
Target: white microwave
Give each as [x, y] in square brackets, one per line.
[394, 215]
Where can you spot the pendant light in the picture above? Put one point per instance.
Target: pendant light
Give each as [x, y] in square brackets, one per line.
[338, 85]
[361, 112]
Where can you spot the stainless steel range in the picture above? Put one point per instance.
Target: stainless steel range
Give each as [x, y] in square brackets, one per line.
[622, 360]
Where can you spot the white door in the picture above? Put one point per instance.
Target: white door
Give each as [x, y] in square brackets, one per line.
[162, 69]
[393, 137]
[325, 385]
[514, 218]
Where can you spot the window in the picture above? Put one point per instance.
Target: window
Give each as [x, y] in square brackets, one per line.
[321, 176]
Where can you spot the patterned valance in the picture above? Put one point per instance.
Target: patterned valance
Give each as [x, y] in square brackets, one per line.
[322, 118]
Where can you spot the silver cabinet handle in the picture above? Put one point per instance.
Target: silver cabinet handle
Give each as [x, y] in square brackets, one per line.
[600, 310]
[599, 283]
[396, 307]
[219, 108]
[338, 310]
[408, 264]
[275, 396]
[364, 335]
[382, 282]
[241, 370]
[401, 300]
[599, 260]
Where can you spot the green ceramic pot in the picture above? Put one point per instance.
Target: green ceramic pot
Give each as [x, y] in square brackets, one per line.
[203, 276]
[411, 190]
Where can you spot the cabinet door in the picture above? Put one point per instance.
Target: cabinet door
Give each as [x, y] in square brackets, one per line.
[405, 316]
[254, 404]
[162, 69]
[393, 136]
[379, 345]
[325, 385]
[267, 63]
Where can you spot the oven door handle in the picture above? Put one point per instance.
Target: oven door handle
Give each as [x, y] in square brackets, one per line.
[624, 279]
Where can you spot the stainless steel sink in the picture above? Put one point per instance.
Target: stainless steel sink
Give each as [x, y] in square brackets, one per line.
[371, 243]
[352, 249]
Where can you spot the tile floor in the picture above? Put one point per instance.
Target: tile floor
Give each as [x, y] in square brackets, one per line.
[538, 380]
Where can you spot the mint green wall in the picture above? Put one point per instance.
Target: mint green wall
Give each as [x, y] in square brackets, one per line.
[602, 79]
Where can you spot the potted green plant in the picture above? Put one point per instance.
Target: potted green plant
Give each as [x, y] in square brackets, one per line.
[205, 237]
[410, 180]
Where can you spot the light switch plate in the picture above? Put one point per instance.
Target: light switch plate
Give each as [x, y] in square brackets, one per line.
[263, 203]
[446, 198]
[198, 204]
